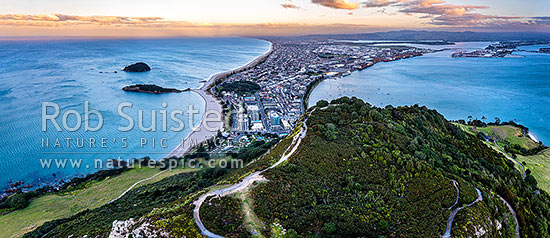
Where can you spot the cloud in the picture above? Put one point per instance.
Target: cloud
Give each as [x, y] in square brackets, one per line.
[440, 13]
[337, 4]
[379, 3]
[289, 5]
[473, 19]
[62, 19]
[444, 14]
[538, 21]
[437, 7]
[117, 26]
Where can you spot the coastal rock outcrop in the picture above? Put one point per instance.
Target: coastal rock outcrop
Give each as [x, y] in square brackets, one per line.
[137, 67]
[150, 88]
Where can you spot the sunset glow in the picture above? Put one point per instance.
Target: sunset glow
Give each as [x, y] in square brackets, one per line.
[263, 17]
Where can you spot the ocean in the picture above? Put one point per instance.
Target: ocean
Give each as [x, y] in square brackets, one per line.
[509, 88]
[71, 72]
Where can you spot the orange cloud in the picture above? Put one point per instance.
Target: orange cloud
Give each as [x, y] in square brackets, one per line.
[427, 3]
[289, 5]
[337, 4]
[437, 7]
[442, 14]
[379, 3]
[62, 19]
[117, 26]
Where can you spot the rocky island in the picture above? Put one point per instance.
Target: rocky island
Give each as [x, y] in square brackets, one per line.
[151, 88]
[137, 67]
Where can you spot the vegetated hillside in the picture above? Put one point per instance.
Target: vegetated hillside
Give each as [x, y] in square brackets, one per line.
[160, 209]
[360, 171]
[372, 172]
[145, 200]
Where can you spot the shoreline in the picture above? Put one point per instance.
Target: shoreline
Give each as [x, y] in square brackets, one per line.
[196, 136]
[211, 103]
[533, 136]
[315, 84]
[307, 95]
[215, 77]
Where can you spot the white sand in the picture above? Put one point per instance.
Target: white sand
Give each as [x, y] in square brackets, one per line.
[212, 104]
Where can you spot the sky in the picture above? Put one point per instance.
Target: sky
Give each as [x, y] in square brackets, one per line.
[264, 17]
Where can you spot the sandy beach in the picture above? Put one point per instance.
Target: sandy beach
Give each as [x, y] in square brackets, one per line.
[533, 137]
[212, 104]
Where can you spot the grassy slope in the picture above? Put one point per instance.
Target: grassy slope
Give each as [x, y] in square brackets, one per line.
[56, 206]
[513, 134]
[539, 165]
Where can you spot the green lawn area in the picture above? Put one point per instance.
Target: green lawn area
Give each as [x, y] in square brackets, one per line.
[56, 206]
[511, 134]
[539, 165]
[465, 128]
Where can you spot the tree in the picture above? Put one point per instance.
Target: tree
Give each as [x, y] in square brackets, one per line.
[322, 103]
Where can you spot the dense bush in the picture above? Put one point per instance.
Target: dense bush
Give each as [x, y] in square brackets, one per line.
[135, 204]
[366, 171]
[240, 87]
[223, 216]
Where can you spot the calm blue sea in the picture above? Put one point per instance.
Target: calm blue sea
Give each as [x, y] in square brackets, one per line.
[509, 88]
[69, 72]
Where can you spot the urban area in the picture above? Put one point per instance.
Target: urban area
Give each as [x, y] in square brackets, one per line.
[266, 100]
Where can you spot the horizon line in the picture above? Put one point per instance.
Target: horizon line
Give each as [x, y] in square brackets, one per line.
[83, 37]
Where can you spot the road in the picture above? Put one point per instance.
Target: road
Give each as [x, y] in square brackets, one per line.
[457, 194]
[456, 210]
[263, 115]
[512, 158]
[247, 181]
[135, 184]
[513, 214]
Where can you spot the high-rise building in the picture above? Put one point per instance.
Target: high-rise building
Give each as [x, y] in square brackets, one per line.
[275, 120]
[254, 112]
[242, 122]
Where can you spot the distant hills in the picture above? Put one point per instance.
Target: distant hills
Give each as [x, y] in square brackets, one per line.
[409, 35]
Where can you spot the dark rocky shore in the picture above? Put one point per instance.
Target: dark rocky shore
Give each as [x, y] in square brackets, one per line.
[151, 88]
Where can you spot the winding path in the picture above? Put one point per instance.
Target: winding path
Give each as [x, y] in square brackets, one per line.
[135, 184]
[512, 158]
[456, 210]
[246, 182]
[457, 194]
[513, 214]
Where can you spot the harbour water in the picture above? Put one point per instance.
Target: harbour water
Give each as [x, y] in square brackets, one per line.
[70, 72]
[509, 88]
